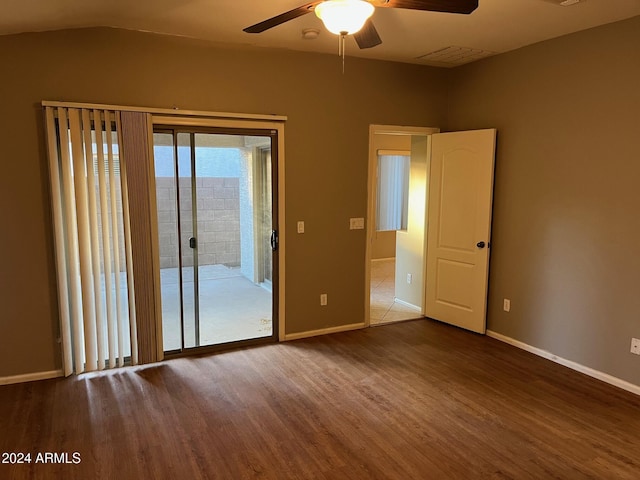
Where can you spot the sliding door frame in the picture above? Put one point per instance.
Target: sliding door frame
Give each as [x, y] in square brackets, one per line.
[275, 130]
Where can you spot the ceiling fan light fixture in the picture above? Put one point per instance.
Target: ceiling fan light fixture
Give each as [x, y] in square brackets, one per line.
[344, 17]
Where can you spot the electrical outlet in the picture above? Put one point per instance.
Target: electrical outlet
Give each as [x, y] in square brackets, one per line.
[635, 346]
[409, 278]
[506, 305]
[323, 299]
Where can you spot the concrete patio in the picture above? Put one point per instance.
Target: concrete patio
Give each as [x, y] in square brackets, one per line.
[232, 307]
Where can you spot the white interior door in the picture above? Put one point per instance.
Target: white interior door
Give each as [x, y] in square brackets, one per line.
[459, 213]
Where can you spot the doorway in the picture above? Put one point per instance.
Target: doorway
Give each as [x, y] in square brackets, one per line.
[441, 265]
[395, 266]
[217, 232]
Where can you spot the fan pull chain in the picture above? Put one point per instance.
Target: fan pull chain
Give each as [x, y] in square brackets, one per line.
[342, 47]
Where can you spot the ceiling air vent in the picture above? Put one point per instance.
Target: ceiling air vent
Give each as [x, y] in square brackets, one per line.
[564, 3]
[453, 56]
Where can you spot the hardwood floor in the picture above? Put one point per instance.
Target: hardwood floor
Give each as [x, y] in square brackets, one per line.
[416, 400]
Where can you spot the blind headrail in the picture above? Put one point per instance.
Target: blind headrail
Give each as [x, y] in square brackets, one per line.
[167, 111]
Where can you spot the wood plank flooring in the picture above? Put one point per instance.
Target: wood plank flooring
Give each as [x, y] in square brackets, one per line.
[416, 400]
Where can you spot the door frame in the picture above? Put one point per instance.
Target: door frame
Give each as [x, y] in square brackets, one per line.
[371, 199]
[258, 183]
[248, 123]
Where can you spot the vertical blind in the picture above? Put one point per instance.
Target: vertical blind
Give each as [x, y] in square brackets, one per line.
[92, 234]
[393, 192]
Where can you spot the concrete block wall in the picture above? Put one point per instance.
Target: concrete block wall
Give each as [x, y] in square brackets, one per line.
[218, 209]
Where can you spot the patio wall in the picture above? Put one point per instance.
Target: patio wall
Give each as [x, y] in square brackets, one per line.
[218, 221]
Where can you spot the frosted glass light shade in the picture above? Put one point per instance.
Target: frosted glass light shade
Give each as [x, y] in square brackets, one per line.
[344, 16]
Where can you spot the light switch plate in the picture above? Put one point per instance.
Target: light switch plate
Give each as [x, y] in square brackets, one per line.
[356, 223]
[300, 227]
[635, 346]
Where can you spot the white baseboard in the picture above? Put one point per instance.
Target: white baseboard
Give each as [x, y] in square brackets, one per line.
[407, 304]
[324, 331]
[605, 377]
[30, 377]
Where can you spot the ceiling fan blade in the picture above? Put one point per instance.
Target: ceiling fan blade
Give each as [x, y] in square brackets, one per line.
[282, 18]
[448, 6]
[367, 36]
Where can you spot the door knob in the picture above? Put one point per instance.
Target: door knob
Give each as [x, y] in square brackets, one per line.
[480, 244]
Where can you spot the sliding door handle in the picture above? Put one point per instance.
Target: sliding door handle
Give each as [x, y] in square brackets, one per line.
[192, 242]
[274, 240]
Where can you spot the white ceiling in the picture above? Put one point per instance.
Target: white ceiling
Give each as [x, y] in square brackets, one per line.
[496, 26]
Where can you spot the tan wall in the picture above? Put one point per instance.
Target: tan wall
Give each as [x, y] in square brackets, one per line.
[383, 245]
[566, 229]
[410, 243]
[326, 156]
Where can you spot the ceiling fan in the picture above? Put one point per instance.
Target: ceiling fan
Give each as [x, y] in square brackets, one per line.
[352, 17]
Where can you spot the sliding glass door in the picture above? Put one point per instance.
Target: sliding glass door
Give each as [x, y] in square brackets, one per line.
[217, 229]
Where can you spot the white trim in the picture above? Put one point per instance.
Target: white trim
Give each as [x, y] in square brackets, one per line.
[407, 304]
[324, 331]
[167, 111]
[604, 377]
[425, 250]
[31, 377]
[401, 130]
[186, 121]
[402, 153]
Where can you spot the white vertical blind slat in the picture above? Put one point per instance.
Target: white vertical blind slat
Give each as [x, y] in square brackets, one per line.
[84, 240]
[59, 238]
[106, 237]
[72, 242]
[393, 184]
[95, 237]
[396, 177]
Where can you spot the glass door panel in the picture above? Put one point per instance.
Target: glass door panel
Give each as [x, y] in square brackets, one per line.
[220, 272]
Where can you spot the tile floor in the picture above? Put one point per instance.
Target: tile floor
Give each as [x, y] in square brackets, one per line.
[384, 308]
